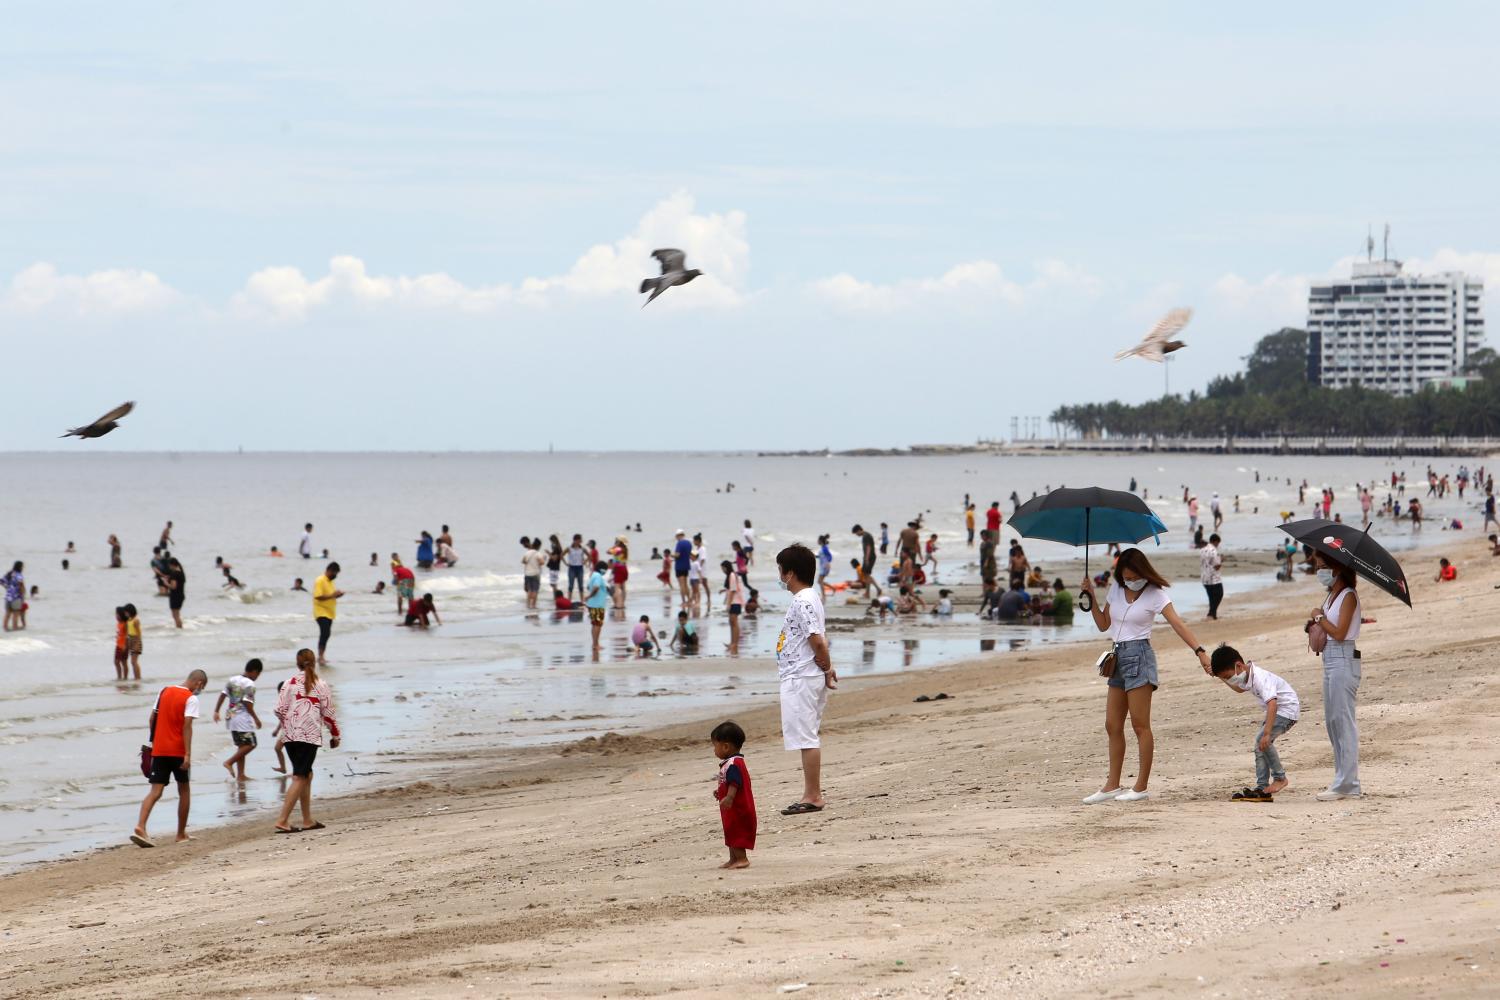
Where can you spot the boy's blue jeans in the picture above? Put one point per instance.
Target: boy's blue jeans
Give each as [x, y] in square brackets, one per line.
[1268, 761]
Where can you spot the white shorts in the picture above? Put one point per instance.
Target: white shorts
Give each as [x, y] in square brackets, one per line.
[803, 700]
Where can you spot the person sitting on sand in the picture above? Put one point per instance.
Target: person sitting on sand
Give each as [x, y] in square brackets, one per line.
[643, 639]
[686, 636]
[1495, 545]
[945, 603]
[909, 602]
[989, 601]
[1282, 712]
[1061, 610]
[1447, 572]
[561, 603]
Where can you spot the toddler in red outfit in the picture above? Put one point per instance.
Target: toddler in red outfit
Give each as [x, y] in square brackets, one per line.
[736, 802]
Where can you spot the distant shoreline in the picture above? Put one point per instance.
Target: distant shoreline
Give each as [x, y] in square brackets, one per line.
[1396, 447]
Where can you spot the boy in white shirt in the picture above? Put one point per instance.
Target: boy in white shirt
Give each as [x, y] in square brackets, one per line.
[805, 671]
[1282, 711]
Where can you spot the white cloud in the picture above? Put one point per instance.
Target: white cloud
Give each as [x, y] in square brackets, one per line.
[1283, 297]
[42, 287]
[1279, 294]
[972, 282]
[715, 244]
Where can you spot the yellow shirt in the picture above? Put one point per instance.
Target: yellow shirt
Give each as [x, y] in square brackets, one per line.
[324, 602]
[969, 518]
[133, 628]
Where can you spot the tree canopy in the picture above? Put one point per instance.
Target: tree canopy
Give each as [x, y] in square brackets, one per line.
[1272, 396]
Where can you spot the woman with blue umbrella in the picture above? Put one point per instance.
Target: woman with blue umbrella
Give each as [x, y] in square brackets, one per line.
[1135, 598]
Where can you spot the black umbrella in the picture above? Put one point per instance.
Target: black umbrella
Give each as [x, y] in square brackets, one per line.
[1087, 516]
[1351, 547]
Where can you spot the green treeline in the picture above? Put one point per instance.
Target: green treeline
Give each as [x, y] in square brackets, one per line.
[1272, 396]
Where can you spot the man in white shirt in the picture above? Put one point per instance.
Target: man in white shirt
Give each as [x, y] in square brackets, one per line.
[1210, 563]
[805, 671]
[305, 548]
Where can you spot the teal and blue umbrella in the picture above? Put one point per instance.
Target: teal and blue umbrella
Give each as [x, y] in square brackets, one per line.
[1087, 516]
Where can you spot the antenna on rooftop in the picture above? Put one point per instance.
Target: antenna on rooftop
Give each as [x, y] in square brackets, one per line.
[1369, 243]
[1385, 248]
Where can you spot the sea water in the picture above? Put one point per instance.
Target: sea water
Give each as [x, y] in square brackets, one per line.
[413, 703]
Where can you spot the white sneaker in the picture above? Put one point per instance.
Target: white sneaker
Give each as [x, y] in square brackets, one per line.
[1132, 796]
[1329, 795]
[1098, 797]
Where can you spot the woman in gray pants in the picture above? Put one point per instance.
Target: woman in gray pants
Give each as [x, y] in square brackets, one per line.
[1339, 616]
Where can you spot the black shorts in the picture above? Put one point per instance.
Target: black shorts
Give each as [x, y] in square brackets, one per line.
[164, 769]
[533, 584]
[325, 628]
[734, 609]
[174, 601]
[244, 739]
[866, 566]
[302, 755]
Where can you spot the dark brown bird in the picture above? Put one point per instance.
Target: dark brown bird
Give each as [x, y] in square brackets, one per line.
[103, 425]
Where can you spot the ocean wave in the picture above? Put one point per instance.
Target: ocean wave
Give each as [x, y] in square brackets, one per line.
[252, 596]
[9, 647]
[450, 584]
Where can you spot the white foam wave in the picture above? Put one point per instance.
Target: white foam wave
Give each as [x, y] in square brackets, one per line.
[450, 584]
[10, 647]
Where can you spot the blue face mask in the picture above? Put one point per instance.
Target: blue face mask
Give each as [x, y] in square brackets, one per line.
[785, 585]
[1325, 577]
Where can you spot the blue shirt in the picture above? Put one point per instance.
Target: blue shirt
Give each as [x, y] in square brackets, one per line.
[600, 598]
[424, 551]
[684, 555]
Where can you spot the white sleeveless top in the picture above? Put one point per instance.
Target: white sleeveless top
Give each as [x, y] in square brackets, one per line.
[1330, 611]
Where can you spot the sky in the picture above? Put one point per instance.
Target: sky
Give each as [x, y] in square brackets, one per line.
[383, 226]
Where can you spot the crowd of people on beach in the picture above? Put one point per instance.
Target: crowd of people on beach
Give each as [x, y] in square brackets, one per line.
[586, 581]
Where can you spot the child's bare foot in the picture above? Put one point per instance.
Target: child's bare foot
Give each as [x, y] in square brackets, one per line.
[1276, 786]
[229, 766]
[280, 770]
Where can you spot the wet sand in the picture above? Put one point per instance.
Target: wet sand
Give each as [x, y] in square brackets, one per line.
[954, 858]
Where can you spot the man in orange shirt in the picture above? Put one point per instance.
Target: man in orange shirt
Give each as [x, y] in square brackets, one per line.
[171, 751]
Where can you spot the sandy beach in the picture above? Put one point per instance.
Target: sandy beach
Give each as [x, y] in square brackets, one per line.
[954, 858]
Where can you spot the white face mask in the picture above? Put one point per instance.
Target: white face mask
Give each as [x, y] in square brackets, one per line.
[785, 585]
[1325, 577]
[1135, 585]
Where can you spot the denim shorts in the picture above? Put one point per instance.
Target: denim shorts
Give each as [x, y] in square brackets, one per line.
[1135, 665]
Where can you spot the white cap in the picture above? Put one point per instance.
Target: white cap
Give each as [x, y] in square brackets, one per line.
[681, 532]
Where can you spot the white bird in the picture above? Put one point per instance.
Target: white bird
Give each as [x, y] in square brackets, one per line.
[1155, 346]
[672, 273]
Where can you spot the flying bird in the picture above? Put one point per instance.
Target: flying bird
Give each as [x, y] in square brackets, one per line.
[1155, 346]
[103, 425]
[672, 273]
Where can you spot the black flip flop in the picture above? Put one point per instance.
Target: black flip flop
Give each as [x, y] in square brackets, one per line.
[798, 808]
[295, 829]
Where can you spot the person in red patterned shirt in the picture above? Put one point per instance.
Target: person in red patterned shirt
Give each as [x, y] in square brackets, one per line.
[304, 708]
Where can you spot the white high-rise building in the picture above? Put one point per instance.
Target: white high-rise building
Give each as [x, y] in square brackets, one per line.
[1387, 330]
